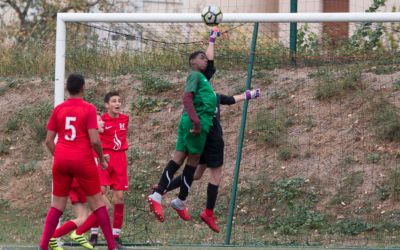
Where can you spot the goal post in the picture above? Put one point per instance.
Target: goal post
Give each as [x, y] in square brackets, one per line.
[62, 18]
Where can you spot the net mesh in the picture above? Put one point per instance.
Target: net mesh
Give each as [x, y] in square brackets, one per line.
[320, 157]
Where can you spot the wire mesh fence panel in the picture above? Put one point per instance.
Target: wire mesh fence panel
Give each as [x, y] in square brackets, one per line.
[321, 148]
[319, 163]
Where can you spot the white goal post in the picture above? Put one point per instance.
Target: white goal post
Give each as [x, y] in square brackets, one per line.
[62, 18]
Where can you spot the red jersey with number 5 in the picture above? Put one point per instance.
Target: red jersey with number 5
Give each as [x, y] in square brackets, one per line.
[115, 131]
[71, 121]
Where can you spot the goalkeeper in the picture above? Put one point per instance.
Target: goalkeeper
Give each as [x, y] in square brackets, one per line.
[199, 100]
[213, 158]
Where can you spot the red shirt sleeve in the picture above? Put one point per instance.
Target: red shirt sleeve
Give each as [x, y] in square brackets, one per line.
[52, 124]
[92, 118]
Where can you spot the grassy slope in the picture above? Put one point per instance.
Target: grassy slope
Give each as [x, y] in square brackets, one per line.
[346, 175]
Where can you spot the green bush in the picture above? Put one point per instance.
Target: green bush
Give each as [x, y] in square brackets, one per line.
[284, 153]
[26, 168]
[352, 227]
[373, 158]
[396, 85]
[294, 207]
[385, 119]
[154, 85]
[92, 96]
[4, 147]
[348, 187]
[148, 104]
[335, 83]
[32, 120]
[271, 127]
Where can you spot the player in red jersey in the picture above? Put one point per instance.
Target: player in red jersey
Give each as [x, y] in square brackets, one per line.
[114, 143]
[83, 221]
[74, 122]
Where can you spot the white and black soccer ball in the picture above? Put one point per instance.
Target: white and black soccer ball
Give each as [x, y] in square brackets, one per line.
[211, 15]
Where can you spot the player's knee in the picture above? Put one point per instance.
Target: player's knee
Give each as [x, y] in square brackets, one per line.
[118, 197]
[95, 201]
[216, 176]
[79, 221]
[197, 176]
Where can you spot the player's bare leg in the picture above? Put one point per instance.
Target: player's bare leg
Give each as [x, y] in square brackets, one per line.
[82, 214]
[201, 168]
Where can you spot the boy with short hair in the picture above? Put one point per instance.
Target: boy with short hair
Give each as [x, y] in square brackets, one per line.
[84, 219]
[74, 121]
[114, 142]
[212, 158]
[199, 101]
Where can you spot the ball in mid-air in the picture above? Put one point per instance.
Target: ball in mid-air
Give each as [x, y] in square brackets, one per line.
[211, 15]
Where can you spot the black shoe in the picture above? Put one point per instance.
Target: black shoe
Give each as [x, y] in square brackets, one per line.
[118, 243]
[93, 240]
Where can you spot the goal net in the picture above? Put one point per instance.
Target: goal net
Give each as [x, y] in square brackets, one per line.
[320, 158]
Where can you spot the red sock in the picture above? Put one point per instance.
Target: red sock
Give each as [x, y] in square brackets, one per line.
[118, 218]
[90, 222]
[64, 229]
[209, 212]
[53, 215]
[104, 221]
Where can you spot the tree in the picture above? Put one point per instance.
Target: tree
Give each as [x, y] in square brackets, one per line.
[36, 18]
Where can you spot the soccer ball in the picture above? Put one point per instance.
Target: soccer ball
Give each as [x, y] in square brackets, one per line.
[212, 15]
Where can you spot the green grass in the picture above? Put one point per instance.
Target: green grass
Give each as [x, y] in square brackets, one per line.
[152, 85]
[396, 85]
[271, 127]
[93, 96]
[32, 119]
[25, 168]
[294, 201]
[19, 229]
[4, 147]
[347, 188]
[385, 119]
[194, 247]
[284, 153]
[384, 70]
[330, 82]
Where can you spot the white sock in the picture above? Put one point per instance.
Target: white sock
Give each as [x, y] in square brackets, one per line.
[156, 196]
[116, 231]
[94, 230]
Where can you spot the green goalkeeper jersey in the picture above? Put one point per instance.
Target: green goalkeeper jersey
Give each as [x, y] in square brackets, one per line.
[204, 98]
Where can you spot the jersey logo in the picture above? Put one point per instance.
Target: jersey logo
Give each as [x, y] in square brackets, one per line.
[122, 126]
[107, 127]
[117, 142]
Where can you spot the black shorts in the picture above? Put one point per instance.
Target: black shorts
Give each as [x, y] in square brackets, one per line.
[213, 153]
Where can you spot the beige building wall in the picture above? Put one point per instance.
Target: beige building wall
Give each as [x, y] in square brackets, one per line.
[236, 6]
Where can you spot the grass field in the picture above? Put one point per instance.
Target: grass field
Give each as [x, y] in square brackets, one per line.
[197, 247]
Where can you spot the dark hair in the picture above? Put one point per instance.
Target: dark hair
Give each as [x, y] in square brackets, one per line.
[195, 54]
[75, 83]
[110, 94]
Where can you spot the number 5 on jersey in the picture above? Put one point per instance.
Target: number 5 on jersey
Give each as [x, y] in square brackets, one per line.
[69, 126]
